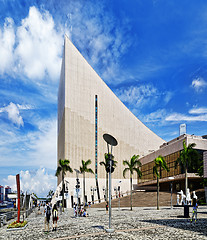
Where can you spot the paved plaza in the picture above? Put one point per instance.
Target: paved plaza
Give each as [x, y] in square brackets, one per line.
[141, 223]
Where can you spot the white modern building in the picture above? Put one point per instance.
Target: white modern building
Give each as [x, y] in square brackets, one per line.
[87, 109]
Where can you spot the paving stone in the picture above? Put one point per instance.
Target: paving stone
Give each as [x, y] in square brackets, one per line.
[142, 223]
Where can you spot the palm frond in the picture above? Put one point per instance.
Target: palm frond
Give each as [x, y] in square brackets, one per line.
[124, 172]
[102, 163]
[125, 162]
[139, 173]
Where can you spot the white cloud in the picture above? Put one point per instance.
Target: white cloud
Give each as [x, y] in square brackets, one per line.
[39, 45]
[138, 96]
[7, 41]
[37, 51]
[168, 96]
[199, 84]
[39, 182]
[177, 117]
[100, 37]
[43, 144]
[35, 148]
[13, 114]
[25, 107]
[163, 116]
[157, 116]
[202, 110]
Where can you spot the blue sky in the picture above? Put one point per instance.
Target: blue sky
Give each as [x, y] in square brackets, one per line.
[152, 54]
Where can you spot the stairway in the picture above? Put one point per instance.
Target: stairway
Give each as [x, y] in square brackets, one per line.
[141, 199]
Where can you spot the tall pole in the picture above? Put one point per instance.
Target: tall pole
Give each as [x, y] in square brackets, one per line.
[18, 195]
[110, 192]
[119, 196]
[112, 142]
[171, 194]
[171, 189]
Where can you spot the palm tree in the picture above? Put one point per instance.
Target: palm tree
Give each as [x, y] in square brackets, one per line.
[105, 164]
[188, 157]
[50, 194]
[83, 169]
[159, 165]
[63, 168]
[133, 165]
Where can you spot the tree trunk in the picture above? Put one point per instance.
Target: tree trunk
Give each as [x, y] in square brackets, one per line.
[158, 191]
[131, 189]
[84, 189]
[63, 191]
[186, 181]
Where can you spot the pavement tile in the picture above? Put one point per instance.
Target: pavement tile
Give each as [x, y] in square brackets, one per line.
[142, 223]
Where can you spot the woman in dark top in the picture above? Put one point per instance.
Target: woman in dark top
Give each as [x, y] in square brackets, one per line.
[54, 217]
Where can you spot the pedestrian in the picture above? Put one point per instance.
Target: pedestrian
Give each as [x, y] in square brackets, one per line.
[85, 214]
[195, 207]
[74, 209]
[60, 208]
[54, 217]
[47, 212]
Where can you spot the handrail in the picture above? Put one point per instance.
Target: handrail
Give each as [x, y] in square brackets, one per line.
[116, 196]
[13, 214]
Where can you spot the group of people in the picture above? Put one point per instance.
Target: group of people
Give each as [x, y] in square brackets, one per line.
[79, 210]
[48, 212]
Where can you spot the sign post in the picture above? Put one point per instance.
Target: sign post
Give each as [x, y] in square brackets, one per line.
[18, 195]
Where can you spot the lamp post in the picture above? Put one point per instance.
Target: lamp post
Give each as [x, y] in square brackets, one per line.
[119, 190]
[77, 184]
[171, 188]
[104, 193]
[116, 191]
[110, 140]
[93, 189]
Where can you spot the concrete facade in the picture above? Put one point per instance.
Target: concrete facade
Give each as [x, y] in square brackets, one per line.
[205, 164]
[176, 145]
[169, 150]
[79, 85]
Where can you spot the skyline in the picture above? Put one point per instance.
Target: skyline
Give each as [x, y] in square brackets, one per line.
[151, 54]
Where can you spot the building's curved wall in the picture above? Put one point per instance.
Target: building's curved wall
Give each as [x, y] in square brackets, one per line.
[81, 85]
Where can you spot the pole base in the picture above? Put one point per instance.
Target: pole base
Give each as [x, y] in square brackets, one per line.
[110, 230]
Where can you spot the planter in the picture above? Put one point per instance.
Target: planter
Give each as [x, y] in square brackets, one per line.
[14, 229]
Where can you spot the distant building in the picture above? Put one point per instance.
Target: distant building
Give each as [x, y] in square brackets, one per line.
[1, 193]
[171, 151]
[182, 129]
[7, 191]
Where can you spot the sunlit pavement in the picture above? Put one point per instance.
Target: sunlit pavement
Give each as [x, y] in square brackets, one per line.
[141, 223]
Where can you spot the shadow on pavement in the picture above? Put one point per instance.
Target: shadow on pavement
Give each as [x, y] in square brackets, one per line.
[100, 227]
[185, 224]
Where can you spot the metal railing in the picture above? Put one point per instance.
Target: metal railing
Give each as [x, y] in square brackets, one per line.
[6, 216]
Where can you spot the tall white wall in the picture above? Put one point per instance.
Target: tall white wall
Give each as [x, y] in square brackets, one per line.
[76, 116]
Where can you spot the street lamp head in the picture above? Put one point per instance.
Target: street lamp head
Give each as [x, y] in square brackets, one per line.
[110, 139]
[77, 171]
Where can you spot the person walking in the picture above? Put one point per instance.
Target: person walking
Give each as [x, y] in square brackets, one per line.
[47, 212]
[195, 207]
[74, 210]
[61, 208]
[54, 217]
